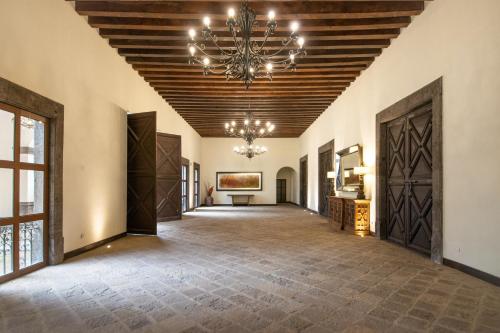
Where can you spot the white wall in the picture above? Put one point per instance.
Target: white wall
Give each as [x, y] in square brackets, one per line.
[217, 155]
[458, 40]
[48, 48]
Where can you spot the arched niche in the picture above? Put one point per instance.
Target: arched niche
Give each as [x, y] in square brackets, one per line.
[288, 176]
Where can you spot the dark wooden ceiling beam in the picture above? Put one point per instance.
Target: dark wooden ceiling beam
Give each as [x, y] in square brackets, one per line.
[299, 10]
[311, 45]
[253, 95]
[332, 70]
[132, 23]
[316, 54]
[316, 36]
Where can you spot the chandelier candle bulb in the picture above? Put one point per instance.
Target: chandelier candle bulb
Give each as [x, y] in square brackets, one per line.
[192, 50]
[301, 42]
[206, 21]
[271, 15]
[257, 122]
[231, 13]
[269, 67]
[192, 33]
[206, 61]
[294, 26]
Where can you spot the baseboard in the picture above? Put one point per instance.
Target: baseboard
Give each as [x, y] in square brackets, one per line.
[242, 205]
[92, 246]
[472, 271]
[292, 203]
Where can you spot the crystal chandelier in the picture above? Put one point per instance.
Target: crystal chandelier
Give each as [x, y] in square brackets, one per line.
[251, 129]
[250, 151]
[247, 59]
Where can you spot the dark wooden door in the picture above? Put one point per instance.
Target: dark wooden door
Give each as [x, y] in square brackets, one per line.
[280, 190]
[409, 180]
[303, 182]
[325, 165]
[168, 177]
[141, 173]
[196, 185]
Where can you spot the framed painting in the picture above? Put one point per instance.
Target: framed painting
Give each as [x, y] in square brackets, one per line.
[239, 181]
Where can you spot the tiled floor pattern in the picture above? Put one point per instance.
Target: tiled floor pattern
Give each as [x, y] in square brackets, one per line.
[256, 269]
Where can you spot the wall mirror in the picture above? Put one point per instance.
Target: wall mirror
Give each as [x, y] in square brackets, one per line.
[345, 162]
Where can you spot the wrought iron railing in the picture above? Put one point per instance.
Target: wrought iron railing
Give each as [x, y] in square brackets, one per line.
[31, 242]
[6, 249]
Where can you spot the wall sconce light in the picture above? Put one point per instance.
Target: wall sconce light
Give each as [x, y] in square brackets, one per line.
[361, 171]
[331, 175]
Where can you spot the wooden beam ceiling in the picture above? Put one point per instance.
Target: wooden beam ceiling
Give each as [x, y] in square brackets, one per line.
[342, 39]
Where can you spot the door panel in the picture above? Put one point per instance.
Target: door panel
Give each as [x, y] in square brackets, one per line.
[420, 218]
[325, 165]
[141, 173]
[168, 168]
[280, 190]
[396, 213]
[303, 182]
[409, 179]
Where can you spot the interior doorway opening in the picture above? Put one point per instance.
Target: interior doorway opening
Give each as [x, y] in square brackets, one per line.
[286, 185]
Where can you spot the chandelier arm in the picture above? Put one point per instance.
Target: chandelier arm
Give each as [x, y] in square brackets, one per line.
[261, 47]
[213, 38]
[217, 58]
[237, 43]
[284, 47]
[200, 62]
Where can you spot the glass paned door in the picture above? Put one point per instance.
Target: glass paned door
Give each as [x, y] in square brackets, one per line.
[184, 187]
[23, 192]
[196, 185]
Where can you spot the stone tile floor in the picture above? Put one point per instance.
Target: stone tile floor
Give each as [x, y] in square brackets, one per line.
[255, 269]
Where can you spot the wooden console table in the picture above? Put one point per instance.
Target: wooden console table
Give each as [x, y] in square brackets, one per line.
[240, 199]
[350, 214]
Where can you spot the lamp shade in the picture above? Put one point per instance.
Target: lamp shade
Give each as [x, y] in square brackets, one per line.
[330, 174]
[361, 170]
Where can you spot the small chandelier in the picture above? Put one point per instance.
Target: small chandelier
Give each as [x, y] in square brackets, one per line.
[250, 151]
[251, 129]
[247, 59]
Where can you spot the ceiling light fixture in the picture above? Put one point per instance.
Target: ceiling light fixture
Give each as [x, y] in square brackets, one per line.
[247, 59]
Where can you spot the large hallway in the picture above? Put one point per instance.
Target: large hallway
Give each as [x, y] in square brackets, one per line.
[251, 269]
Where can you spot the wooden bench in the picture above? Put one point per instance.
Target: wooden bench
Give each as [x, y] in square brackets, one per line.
[240, 199]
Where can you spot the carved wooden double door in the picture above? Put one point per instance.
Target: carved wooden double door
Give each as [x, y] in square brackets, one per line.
[325, 165]
[153, 174]
[409, 179]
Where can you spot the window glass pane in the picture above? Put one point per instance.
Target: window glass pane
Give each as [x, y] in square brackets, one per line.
[6, 249]
[30, 243]
[32, 140]
[6, 193]
[31, 192]
[6, 135]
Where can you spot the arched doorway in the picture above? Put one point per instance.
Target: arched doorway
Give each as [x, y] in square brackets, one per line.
[286, 185]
